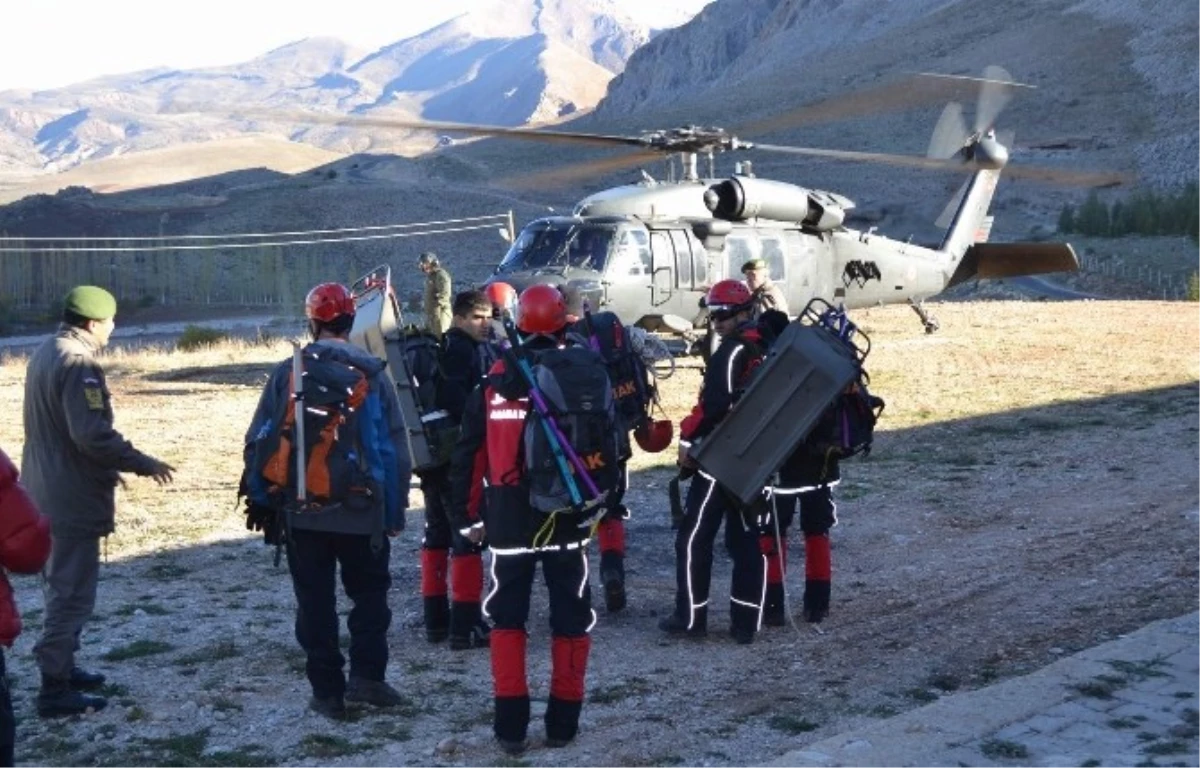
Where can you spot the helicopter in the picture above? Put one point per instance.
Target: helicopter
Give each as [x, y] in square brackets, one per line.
[649, 251]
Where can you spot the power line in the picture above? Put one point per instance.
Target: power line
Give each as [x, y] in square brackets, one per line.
[500, 217]
[492, 221]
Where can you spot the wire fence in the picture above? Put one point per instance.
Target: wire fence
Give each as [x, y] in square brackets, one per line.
[247, 269]
[1167, 284]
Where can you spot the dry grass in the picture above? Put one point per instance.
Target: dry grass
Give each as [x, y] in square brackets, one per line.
[192, 408]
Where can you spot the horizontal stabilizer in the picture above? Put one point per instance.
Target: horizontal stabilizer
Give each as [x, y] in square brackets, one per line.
[992, 261]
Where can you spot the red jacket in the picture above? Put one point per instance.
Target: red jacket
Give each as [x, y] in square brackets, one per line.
[24, 543]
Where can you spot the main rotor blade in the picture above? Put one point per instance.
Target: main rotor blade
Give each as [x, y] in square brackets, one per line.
[1059, 176]
[525, 134]
[570, 173]
[949, 134]
[906, 93]
[994, 94]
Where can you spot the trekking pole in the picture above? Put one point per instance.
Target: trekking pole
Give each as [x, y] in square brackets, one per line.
[559, 445]
[298, 415]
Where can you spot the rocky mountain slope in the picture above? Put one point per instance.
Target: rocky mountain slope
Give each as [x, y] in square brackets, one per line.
[506, 63]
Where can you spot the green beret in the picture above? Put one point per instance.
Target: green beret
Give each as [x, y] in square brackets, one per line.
[91, 301]
[754, 264]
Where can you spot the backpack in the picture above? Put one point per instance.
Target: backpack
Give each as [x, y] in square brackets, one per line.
[633, 389]
[847, 427]
[344, 466]
[422, 362]
[579, 396]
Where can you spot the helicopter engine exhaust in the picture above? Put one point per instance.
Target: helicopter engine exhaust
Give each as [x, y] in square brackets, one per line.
[744, 198]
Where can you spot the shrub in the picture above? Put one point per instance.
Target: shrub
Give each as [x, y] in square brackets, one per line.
[197, 336]
[1193, 291]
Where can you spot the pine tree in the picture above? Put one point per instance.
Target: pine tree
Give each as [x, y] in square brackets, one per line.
[1066, 219]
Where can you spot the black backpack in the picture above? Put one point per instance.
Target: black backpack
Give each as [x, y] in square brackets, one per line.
[576, 388]
[632, 385]
[422, 362]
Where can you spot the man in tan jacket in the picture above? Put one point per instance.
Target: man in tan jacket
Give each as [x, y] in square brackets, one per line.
[70, 465]
[765, 293]
[438, 294]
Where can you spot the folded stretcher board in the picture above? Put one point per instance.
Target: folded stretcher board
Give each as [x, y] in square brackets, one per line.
[805, 370]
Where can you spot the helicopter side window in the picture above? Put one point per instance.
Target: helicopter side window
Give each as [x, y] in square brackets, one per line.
[683, 259]
[739, 248]
[699, 262]
[772, 253]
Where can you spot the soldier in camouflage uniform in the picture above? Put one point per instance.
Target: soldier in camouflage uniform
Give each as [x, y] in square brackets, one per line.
[438, 294]
[71, 463]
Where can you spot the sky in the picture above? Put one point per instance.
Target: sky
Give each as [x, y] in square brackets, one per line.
[52, 43]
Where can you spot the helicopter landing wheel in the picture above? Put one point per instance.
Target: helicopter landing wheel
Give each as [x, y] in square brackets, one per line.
[929, 321]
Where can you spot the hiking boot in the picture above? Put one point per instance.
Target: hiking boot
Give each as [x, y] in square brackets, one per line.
[554, 742]
[56, 699]
[479, 636]
[742, 635]
[678, 626]
[511, 746]
[437, 618]
[815, 615]
[82, 680]
[614, 589]
[333, 707]
[377, 693]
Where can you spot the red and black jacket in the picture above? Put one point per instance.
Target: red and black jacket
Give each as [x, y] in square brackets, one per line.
[487, 466]
[725, 378]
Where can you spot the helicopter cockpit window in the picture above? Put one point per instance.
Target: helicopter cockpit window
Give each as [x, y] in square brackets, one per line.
[559, 245]
[632, 253]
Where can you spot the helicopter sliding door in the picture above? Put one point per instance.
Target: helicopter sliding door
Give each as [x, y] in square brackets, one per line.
[662, 278]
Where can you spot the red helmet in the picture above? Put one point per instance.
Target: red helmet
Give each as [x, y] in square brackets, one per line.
[329, 301]
[728, 296]
[541, 309]
[502, 295]
[654, 435]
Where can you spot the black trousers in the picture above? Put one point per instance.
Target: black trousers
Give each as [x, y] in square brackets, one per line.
[435, 485]
[565, 572]
[706, 507]
[313, 559]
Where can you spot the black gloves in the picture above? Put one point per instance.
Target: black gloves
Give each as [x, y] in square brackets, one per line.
[265, 519]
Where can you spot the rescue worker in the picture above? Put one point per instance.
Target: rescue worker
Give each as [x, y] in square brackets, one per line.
[504, 308]
[24, 548]
[488, 462]
[731, 309]
[766, 295]
[71, 462]
[438, 294]
[807, 477]
[317, 545]
[465, 359]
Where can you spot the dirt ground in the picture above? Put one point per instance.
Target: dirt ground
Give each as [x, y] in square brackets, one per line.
[1033, 492]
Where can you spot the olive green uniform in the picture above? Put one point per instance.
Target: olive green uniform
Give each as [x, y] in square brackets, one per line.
[69, 465]
[437, 301]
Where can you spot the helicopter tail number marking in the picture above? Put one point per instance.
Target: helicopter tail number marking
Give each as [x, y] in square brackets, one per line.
[984, 230]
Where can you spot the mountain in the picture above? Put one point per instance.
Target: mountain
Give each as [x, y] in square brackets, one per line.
[1115, 80]
[507, 62]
